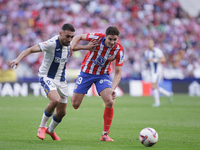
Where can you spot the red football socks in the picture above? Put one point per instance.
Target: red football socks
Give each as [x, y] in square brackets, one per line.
[108, 116]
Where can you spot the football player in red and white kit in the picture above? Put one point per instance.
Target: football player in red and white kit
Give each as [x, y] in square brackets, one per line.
[96, 68]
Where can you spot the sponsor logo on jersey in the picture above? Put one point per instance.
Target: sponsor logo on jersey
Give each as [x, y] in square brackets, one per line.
[59, 60]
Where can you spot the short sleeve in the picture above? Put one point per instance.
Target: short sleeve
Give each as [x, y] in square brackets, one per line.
[159, 53]
[47, 45]
[95, 36]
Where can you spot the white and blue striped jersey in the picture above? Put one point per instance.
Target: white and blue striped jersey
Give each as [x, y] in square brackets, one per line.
[55, 59]
[155, 67]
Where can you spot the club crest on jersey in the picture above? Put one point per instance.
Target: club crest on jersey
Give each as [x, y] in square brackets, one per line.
[100, 61]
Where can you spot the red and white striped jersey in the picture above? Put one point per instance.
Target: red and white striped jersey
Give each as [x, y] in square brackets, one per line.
[96, 62]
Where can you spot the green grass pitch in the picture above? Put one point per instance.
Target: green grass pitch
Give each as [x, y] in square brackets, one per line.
[177, 124]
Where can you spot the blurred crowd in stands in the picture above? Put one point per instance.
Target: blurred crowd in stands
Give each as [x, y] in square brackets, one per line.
[24, 23]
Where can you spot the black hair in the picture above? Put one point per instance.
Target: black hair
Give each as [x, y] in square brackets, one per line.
[68, 27]
[112, 30]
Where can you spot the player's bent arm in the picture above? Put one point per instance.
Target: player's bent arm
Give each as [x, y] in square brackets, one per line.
[74, 42]
[33, 49]
[162, 59]
[81, 47]
[117, 77]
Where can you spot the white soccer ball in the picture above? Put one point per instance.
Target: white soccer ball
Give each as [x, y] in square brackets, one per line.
[148, 137]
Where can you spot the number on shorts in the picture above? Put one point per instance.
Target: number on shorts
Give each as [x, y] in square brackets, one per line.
[49, 82]
[79, 80]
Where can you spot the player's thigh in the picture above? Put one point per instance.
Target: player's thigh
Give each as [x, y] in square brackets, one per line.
[106, 94]
[103, 83]
[49, 88]
[77, 98]
[63, 92]
[53, 95]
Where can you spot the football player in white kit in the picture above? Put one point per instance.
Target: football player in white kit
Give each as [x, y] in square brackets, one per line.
[52, 77]
[155, 58]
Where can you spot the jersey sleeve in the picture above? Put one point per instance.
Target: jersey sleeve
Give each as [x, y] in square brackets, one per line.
[46, 46]
[120, 57]
[95, 36]
[159, 53]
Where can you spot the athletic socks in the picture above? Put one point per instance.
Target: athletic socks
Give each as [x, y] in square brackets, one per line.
[45, 118]
[164, 92]
[108, 116]
[156, 96]
[53, 124]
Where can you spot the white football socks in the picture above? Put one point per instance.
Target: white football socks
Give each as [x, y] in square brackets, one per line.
[156, 96]
[164, 92]
[44, 119]
[53, 124]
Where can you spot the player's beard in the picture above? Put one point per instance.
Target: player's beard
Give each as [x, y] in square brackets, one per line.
[65, 42]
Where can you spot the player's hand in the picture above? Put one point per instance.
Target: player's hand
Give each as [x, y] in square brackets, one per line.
[70, 51]
[13, 64]
[92, 45]
[113, 94]
[153, 60]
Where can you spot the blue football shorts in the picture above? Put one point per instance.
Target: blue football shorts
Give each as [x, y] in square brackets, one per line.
[85, 81]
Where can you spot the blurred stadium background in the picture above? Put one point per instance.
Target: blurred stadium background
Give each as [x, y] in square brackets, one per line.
[174, 24]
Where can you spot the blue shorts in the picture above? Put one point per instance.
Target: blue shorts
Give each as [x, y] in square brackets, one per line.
[85, 81]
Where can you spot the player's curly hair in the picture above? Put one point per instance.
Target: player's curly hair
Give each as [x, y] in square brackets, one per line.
[112, 30]
[68, 27]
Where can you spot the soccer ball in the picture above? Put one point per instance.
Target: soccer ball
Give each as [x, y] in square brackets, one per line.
[148, 137]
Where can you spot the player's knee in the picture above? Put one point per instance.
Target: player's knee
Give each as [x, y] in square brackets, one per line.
[55, 101]
[109, 104]
[75, 105]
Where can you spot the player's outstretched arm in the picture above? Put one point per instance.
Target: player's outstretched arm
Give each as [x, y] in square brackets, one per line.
[15, 62]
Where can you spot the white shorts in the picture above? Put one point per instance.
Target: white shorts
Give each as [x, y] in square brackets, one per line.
[156, 78]
[49, 84]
